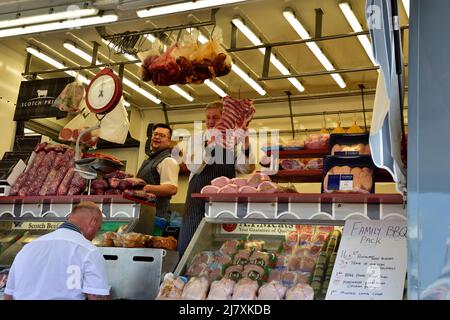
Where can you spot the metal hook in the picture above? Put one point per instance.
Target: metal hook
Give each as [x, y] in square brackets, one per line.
[179, 35]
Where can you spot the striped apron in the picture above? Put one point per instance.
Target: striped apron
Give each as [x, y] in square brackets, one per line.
[195, 208]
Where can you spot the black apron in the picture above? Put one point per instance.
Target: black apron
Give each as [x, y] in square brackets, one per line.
[195, 208]
[149, 173]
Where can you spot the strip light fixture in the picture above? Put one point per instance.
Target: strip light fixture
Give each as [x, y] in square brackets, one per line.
[125, 80]
[35, 52]
[356, 26]
[52, 26]
[406, 6]
[301, 31]
[256, 41]
[183, 6]
[248, 79]
[64, 14]
[72, 47]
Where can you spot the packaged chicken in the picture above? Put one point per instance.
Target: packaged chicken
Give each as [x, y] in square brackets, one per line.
[273, 290]
[300, 291]
[195, 289]
[221, 289]
[348, 175]
[171, 288]
[245, 289]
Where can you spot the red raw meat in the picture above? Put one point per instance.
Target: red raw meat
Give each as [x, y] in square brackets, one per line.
[114, 183]
[131, 183]
[247, 189]
[230, 188]
[74, 190]
[140, 194]
[240, 182]
[220, 182]
[65, 183]
[113, 191]
[99, 184]
[118, 175]
[210, 189]
[40, 147]
[42, 174]
[25, 179]
[291, 164]
[236, 114]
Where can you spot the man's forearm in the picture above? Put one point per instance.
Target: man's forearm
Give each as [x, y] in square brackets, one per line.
[163, 190]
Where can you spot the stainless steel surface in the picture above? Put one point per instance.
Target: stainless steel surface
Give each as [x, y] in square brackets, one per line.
[133, 279]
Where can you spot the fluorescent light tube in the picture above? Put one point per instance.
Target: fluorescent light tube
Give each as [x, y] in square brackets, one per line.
[150, 38]
[301, 31]
[73, 48]
[138, 89]
[256, 41]
[66, 24]
[56, 16]
[183, 6]
[55, 63]
[356, 26]
[181, 92]
[406, 6]
[215, 88]
[247, 79]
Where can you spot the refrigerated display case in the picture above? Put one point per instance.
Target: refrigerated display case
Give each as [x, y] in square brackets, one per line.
[271, 218]
[132, 273]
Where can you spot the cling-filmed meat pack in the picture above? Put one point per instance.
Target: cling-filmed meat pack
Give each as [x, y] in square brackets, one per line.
[348, 175]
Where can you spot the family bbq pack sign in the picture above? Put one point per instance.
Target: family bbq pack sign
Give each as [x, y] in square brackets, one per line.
[371, 261]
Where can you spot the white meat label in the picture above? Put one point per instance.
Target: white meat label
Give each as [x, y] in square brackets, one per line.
[346, 182]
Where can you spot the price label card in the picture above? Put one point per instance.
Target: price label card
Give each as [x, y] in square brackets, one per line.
[346, 182]
[371, 261]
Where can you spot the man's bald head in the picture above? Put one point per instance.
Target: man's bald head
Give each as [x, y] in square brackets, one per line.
[88, 217]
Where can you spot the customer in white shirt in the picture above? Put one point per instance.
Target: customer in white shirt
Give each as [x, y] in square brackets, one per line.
[64, 264]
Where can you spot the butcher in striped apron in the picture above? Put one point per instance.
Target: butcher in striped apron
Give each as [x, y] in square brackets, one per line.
[203, 174]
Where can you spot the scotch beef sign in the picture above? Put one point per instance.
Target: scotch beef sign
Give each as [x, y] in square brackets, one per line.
[36, 98]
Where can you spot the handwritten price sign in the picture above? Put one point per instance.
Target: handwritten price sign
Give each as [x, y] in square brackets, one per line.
[371, 261]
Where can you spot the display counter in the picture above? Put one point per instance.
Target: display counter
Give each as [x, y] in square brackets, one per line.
[272, 219]
[133, 273]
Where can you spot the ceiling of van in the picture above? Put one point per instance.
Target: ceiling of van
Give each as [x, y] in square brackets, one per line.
[265, 17]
